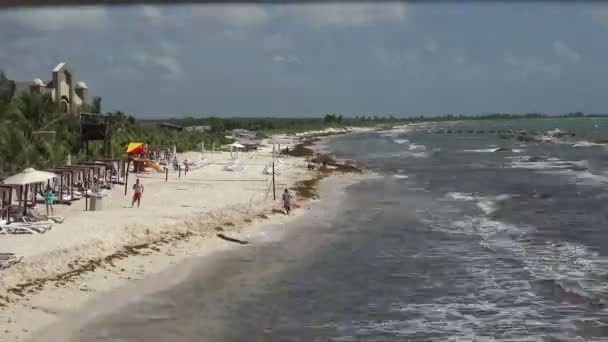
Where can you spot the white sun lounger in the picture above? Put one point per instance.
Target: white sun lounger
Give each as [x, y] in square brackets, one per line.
[8, 259]
[26, 228]
[234, 166]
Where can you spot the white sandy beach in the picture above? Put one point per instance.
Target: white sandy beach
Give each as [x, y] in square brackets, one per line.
[178, 219]
[204, 199]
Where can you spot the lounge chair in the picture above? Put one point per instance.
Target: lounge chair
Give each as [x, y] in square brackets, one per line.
[234, 166]
[8, 259]
[34, 215]
[26, 228]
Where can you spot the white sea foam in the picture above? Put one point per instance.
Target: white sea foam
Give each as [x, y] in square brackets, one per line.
[573, 266]
[488, 204]
[460, 196]
[413, 154]
[581, 177]
[401, 141]
[398, 176]
[415, 147]
[570, 267]
[550, 163]
[399, 130]
[484, 150]
[586, 144]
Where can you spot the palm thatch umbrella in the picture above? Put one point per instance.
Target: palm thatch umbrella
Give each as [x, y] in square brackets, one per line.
[29, 176]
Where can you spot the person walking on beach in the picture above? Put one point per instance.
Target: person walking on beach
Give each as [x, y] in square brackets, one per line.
[287, 201]
[186, 167]
[49, 198]
[138, 192]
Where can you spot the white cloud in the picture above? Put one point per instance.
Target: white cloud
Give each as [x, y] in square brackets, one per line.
[523, 66]
[286, 59]
[411, 57]
[398, 59]
[347, 14]
[234, 15]
[431, 45]
[599, 12]
[316, 15]
[170, 64]
[563, 51]
[57, 19]
[388, 59]
[152, 12]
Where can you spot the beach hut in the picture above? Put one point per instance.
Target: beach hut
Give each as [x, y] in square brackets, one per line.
[117, 168]
[74, 175]
[26, 179]
[67, 176]
[98, 167]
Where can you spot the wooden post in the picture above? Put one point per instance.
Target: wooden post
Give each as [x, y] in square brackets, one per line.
[166, 174]
[10, 205]
[27, 187]
[86, 201]
[179, 167]
[127, 177]
[274, 190]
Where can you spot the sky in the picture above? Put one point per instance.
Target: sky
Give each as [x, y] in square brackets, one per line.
[393, 58]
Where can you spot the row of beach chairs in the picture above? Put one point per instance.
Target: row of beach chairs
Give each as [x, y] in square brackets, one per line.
[31, 223]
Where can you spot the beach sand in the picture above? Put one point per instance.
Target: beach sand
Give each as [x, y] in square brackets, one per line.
[95, 253]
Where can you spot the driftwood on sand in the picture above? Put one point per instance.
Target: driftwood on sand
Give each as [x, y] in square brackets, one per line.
[224, 237]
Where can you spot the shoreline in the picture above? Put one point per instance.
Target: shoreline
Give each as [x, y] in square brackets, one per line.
[208, 263]
[38, 293]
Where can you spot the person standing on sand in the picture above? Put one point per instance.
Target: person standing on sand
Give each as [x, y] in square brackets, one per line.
[139, 191]
[186, 166]
[49, 198]
[287, 201]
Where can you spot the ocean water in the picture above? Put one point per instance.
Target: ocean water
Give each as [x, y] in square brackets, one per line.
[446, 240]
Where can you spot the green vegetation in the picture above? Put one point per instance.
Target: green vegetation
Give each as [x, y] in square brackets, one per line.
[267, 126]
[34, 133]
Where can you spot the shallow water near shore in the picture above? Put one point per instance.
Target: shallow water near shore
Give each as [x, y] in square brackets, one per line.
[450, 241]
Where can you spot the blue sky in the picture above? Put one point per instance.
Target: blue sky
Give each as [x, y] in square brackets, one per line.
[306, 60]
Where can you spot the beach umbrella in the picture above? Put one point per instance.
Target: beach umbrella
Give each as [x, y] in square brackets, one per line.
[29, 176]
[236, 145]
[135, 148]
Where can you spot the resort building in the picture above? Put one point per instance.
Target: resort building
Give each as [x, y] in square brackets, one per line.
[64, 89]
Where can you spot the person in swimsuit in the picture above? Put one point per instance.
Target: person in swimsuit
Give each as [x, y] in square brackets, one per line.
[287, 201]
[49, 199]
[138, 189]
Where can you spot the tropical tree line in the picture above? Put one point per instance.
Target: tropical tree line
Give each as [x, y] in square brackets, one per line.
[34, 132]
[269, 125]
